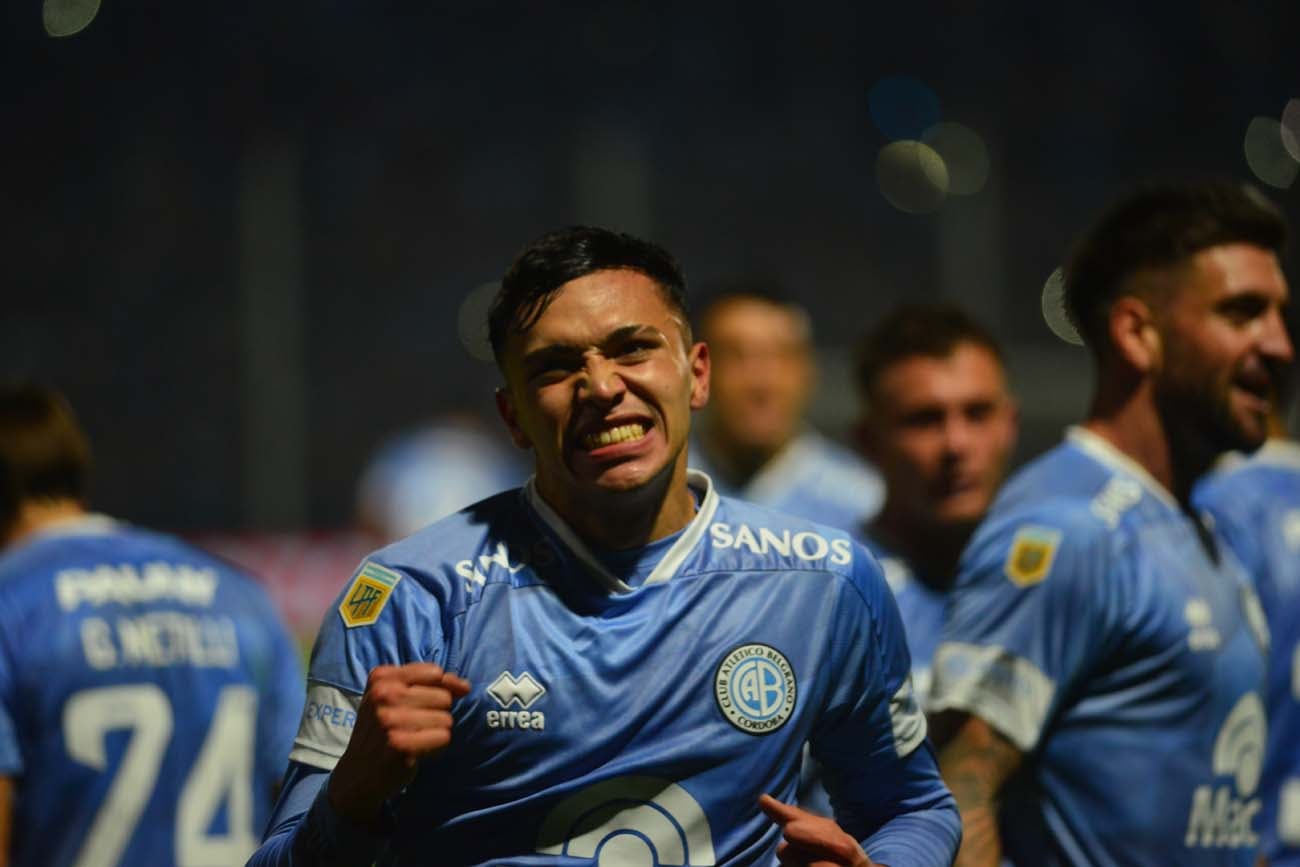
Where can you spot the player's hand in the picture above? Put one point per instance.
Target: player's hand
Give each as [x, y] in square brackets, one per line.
[405, 715]
[812, 840]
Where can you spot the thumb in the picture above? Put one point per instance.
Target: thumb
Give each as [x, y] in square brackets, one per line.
[777, 811]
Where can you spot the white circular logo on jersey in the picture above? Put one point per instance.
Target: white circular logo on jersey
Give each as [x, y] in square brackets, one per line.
[755, 688]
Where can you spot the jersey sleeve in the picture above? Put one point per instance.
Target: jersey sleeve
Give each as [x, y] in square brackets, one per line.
[1034, 604]
[383, 617]
[879, 770]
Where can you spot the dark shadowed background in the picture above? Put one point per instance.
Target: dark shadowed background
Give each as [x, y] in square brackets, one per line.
[239, 234]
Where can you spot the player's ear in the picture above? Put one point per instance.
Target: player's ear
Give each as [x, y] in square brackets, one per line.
[698, 358]
[506, 407]
[1133, 333]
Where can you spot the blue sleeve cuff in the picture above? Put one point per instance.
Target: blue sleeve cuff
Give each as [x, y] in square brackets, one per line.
[329, 840]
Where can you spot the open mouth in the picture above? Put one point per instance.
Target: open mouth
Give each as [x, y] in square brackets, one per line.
[624, 433]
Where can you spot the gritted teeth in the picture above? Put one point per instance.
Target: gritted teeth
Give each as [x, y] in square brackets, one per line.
[621, 434]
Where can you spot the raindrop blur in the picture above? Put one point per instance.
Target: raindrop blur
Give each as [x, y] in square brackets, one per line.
[1267, 155]
[68, 17]
[912, 177]
[965, 155]
[902, 107]
[1054, 309]
[1291, 128]
[471, 321]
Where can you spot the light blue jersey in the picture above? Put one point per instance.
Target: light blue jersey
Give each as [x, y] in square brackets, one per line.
[628, 709]
[811, 478]
[1090, 627]
[1255, 504]
[148, 698]
[921, 607]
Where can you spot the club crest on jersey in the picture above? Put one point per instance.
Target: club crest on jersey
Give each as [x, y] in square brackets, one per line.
[368, 594]
[1032, 551]
[755, 688]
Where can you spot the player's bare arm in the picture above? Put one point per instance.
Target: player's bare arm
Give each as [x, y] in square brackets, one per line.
[976, 761]
[405, 715]
[809, 840]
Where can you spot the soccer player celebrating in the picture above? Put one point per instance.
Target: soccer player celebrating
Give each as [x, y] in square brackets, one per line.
[1255, 504]
[148, 693]
[753, 441]
[1101, 646]
[939, 423]
[637, 661]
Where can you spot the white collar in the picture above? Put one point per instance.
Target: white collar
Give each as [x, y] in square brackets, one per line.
[670, 562]
[1279, 452]
[1102, 451]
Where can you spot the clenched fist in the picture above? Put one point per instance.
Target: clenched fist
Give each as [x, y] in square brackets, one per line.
[405, 715]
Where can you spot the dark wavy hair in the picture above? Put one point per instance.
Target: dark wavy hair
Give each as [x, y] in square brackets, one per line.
[1161, 225]
[43, 452]
[557, 257]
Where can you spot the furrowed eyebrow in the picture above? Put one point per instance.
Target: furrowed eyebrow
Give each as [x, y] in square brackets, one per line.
[570, 354]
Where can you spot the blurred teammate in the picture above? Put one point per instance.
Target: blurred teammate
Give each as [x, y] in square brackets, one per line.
[939, 424]
[753, 440]
[148, 694]
[422, 475]
[1101, 644]
[1255, 504]
[638, 661]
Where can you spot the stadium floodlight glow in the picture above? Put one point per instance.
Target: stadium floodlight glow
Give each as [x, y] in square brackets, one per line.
[1267, 155]
[68, 17]
[1054, 313]
[912, 176]
[964, 153]
[1291, 128]
[471, 321]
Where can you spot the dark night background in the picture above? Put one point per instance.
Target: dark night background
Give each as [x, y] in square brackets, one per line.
[238, 234]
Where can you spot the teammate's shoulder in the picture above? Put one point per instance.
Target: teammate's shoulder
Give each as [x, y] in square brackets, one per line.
[746, 536]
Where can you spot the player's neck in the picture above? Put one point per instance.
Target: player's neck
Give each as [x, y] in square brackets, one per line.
[738, 465]
[931, 550]
[619, 520]
[35, 515]
[1128, 419]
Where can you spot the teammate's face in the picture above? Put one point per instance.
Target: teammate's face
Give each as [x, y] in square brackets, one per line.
[940, 431]
[1224, 348]
[762, 374]
[602, 386]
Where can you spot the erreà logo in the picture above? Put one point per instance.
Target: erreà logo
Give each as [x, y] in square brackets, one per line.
[368, 595]
[522, 691]
[627, 821]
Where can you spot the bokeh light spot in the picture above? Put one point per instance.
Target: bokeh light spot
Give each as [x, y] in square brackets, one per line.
[1054, 309]
[912, 176]
[68, 17]
[902, 107]
[965, 155]
[1291, 128]
[471, 321]
[1267, 155]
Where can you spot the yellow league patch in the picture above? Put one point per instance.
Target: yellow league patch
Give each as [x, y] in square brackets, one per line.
[1030, 558]
[368, 594]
